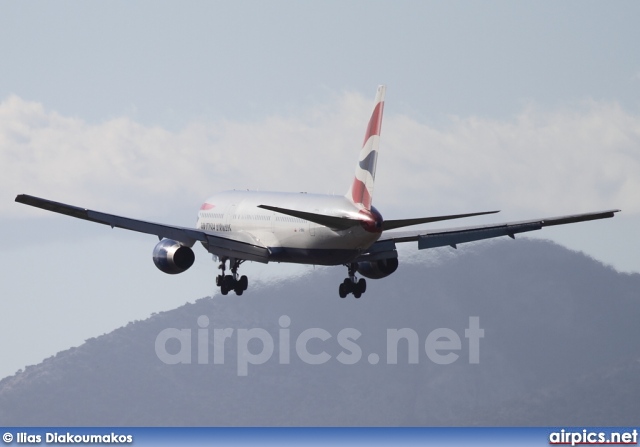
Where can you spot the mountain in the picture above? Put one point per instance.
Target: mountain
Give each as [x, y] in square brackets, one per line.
[561, 346]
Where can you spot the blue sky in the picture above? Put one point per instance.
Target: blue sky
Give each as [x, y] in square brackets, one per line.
[146, 108]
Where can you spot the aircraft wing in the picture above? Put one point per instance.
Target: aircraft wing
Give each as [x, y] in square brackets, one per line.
[241, 247]
[454, 236]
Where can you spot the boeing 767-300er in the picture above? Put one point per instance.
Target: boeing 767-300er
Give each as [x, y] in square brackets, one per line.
[239, 226]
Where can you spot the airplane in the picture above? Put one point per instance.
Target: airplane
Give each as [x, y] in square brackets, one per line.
[301, 228]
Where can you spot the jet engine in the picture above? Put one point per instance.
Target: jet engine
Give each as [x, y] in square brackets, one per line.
[377, 269]
[172, 257]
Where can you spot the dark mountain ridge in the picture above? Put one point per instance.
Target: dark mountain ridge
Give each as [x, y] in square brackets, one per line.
[561, 346]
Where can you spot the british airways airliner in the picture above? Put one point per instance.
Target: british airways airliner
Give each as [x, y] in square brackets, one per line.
[239, 226]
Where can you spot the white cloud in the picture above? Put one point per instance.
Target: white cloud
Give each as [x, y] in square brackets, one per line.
[559, 161]
[578, 159]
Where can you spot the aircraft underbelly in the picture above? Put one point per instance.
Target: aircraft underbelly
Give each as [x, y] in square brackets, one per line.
[325, 247]
[317, 256]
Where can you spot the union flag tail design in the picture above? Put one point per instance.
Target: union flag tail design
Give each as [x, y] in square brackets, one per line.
[361, 190]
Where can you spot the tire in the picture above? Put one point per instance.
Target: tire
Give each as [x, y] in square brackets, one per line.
[362, 286]
[357, 294]
[342, 291]
[244, 282]
[239, 290]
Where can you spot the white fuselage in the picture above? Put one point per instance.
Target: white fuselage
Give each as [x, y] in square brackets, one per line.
[235, 215]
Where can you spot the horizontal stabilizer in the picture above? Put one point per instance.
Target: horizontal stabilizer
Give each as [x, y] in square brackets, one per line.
[392, 224]
[333, 222]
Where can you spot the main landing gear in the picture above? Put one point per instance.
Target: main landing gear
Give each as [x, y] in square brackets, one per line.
[231, 282]
[352, 284]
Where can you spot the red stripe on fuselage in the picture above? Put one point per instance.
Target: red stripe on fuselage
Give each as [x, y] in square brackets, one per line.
[206, 206]
[372, 221]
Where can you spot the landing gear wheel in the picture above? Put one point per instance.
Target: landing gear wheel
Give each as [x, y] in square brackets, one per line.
[361, 286]
[238, 289]
[243, 282]
[351, 284]
[227, 284]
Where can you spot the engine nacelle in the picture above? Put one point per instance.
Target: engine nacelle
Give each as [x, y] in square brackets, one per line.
[172, 257]
[378, 269]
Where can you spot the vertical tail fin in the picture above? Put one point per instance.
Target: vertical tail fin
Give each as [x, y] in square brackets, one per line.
[361, 190]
